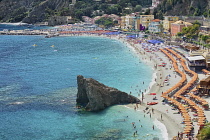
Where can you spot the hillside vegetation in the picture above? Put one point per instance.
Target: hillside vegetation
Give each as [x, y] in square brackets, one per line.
[183, 8]
[32, 11]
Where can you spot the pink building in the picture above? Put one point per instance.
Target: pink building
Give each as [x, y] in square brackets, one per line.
[178, 25]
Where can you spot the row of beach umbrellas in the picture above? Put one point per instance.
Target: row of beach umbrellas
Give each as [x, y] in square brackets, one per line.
[200, 112]
[187, 120]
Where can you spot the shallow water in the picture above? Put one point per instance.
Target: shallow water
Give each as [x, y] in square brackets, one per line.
[38, 88]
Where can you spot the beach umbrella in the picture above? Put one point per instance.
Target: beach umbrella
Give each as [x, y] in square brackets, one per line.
[187, 124]
[186, 132]
[188, 129]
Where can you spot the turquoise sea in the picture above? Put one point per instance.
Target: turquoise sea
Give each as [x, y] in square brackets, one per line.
[38, 89]
[22, 27]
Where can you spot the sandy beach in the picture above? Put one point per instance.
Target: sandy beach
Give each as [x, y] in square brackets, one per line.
[162, 112]
[171, 120]
[153, 57]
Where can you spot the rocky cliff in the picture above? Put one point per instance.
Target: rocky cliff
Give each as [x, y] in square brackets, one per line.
[95, 96]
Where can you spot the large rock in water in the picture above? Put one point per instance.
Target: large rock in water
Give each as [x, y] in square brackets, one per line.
[95, 96]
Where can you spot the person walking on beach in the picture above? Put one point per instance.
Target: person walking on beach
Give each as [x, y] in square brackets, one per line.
[161, 116]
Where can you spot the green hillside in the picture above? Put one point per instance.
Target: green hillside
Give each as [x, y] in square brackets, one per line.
[32, 11]
[183, 8]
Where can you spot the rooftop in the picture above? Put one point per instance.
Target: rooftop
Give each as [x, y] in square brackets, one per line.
[182, 22]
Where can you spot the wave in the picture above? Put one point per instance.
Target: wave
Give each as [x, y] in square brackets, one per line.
[162, 128]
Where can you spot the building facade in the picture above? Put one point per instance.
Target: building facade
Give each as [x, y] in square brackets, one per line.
[155, 26]
[178, 26]
[145, 20]
[127, 22]
[60, 20]
[155, 3]
[167, 23]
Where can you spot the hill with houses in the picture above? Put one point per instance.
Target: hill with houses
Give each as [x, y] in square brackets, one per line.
[35, 11]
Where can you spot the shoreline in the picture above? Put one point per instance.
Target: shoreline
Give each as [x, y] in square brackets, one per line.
[171, 124]
[14, 24]
[172, 127]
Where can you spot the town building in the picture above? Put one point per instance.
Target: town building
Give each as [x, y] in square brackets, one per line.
[155, 3]
[177, 26]
[155, 26]
[167, 23]
[137, 23]
[60, 20]
[128, 22]
[145, 20]
[205, 30]
[87, 19]
[122, 22]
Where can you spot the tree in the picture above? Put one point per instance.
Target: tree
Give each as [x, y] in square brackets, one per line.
[168, 5]
[106, 22]
[103, 7]
[112, 10]
[205, 38]
[196, 22]
[127, 10]
[138, 8]
[204, 133]
[147, 12]
[78, 14]
[123, 3]
[191, 32]
[179, 34]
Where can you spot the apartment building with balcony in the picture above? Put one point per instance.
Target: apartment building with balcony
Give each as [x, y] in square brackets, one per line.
[155, 26]
[167, 23]
[145, 20]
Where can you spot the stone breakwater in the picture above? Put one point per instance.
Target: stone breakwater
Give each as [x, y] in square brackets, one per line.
[24, 32]
[95, 96]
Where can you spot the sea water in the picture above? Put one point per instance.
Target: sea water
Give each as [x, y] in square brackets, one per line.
[22, 27]
[38, 89]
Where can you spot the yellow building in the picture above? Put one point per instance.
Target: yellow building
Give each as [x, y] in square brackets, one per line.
[167, 22]
[122, 22]
[137, 23]
[127, 22]
[145, 20]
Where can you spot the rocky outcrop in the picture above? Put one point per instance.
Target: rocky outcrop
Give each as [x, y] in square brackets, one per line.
[95, 96]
